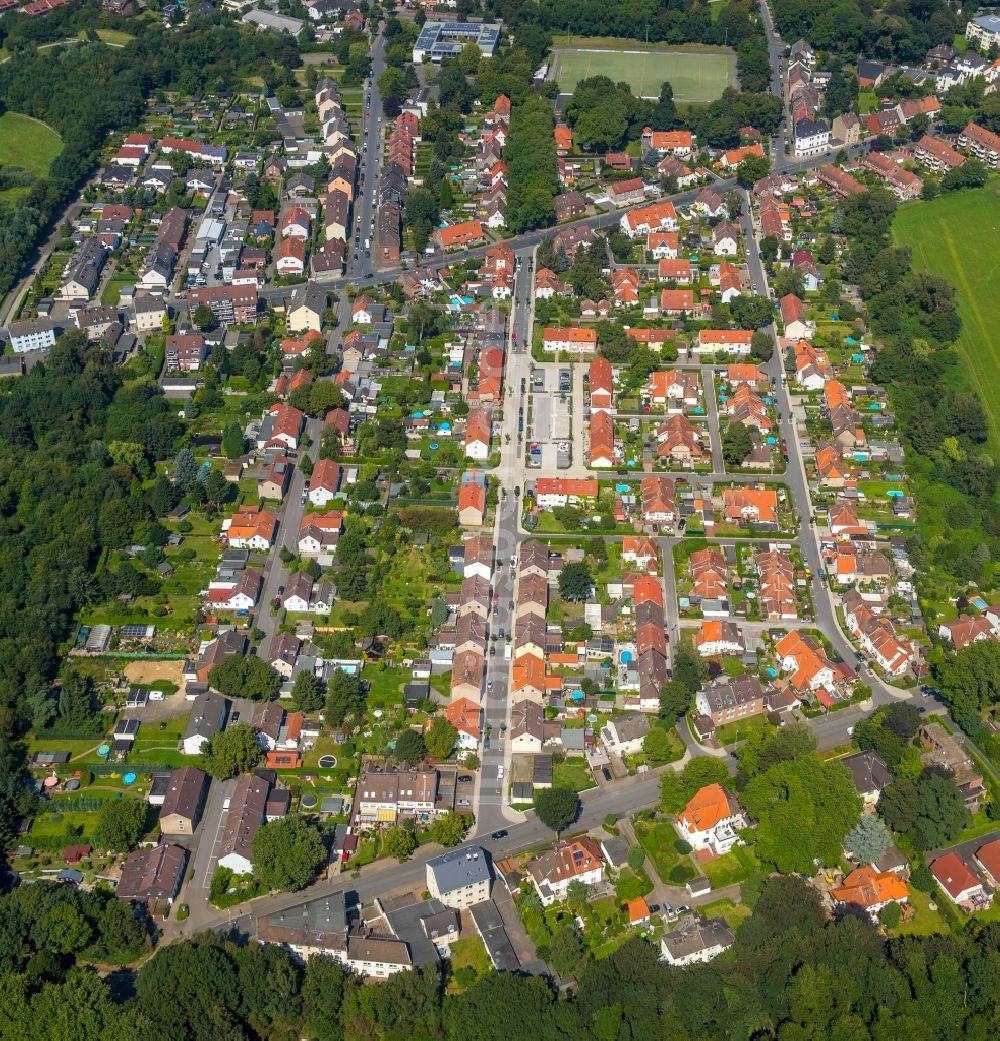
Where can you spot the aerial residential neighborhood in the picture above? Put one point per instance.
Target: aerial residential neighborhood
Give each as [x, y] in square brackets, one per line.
[499, 508]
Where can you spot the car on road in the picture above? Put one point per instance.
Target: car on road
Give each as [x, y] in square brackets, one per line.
[465, 779]
[464, 802]
[517, 491]
[489, 686]
[500, 771]
[497, 835]
[607, 773]
[682, 909]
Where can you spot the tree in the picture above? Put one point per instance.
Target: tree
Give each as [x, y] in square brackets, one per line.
[233, 442]
[941, 813]
[440, 738]
[675, 699]
[450, 829]
[576, 582]
[897, 805]
[185, 469]
[657, 746]
[636, 857]
[232, 751]
[439, 612]
[663, 115]
[120, 825]
[399, 842]
[344, 697]
[287, 853]
[890, 915]
[737, 444]
[557, 807]
[804, 807]
[689, 668]
[244, 676]
[203, 318]
[868, 840]
[752, 169]
[566, 953]
[307, 696]
[410, 747]
[761, 345]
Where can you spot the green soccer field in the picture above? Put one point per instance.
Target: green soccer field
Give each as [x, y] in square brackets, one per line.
[957, 236]
[696, 76]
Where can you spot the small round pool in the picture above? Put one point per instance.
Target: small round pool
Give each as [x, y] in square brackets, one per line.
[327, 762]
[102, 750]
[129, 778]
[309, 801]
[625, 657]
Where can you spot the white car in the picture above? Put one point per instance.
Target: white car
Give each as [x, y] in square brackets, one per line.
[499, 773]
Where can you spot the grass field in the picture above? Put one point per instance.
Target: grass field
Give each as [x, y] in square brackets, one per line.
[954, 236]
[27, 143]
[696, 76]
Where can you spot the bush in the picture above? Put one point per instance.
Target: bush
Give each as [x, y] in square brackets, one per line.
[922, 878]
[682, 846]
[636, 857]
[610, 820]
[890, 915]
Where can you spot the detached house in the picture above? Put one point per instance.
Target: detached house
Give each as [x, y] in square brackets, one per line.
[577, 860]
[711, 820]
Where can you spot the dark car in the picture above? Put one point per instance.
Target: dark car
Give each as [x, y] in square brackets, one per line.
[607, 773]
[499, 835]
[234, 719]
[517, 491]
[465, 779]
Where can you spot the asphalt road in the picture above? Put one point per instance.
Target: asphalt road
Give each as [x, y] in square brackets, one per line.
[372, 135]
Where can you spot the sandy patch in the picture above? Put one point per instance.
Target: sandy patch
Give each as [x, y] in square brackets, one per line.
[141, 672]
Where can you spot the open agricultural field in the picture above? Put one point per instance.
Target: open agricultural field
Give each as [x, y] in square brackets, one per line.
[696, 75]
[956, 236]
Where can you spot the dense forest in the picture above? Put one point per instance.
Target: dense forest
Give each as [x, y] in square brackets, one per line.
[87, 90]
[793, 974]
[903, 31]
[76, 441]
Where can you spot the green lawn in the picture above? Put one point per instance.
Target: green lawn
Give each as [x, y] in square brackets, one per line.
[27, 143]
[573, 773]
[470, 952]
[731, 913]
[730, 868]
[697, 76]
[658, 839]
[952, 237]
[740, 730]
[924, 920]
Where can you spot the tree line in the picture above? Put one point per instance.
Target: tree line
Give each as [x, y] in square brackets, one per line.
[901, 32]
[793, 973]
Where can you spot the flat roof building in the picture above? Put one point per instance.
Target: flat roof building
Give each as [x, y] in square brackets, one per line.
[461, 877]
[438, 40]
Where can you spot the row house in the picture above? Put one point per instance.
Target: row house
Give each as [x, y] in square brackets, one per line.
[879, 641]
[900, 181]
[776, 585]
[936, 154]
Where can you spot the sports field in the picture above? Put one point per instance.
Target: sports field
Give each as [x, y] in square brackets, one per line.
[696, 76]
[958, 237]
[27, 143]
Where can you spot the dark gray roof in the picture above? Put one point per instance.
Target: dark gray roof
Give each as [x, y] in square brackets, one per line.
[868, 771]
[693, 934]
[460, 867]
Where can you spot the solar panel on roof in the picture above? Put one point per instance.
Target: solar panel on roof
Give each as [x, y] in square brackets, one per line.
[134, 630]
